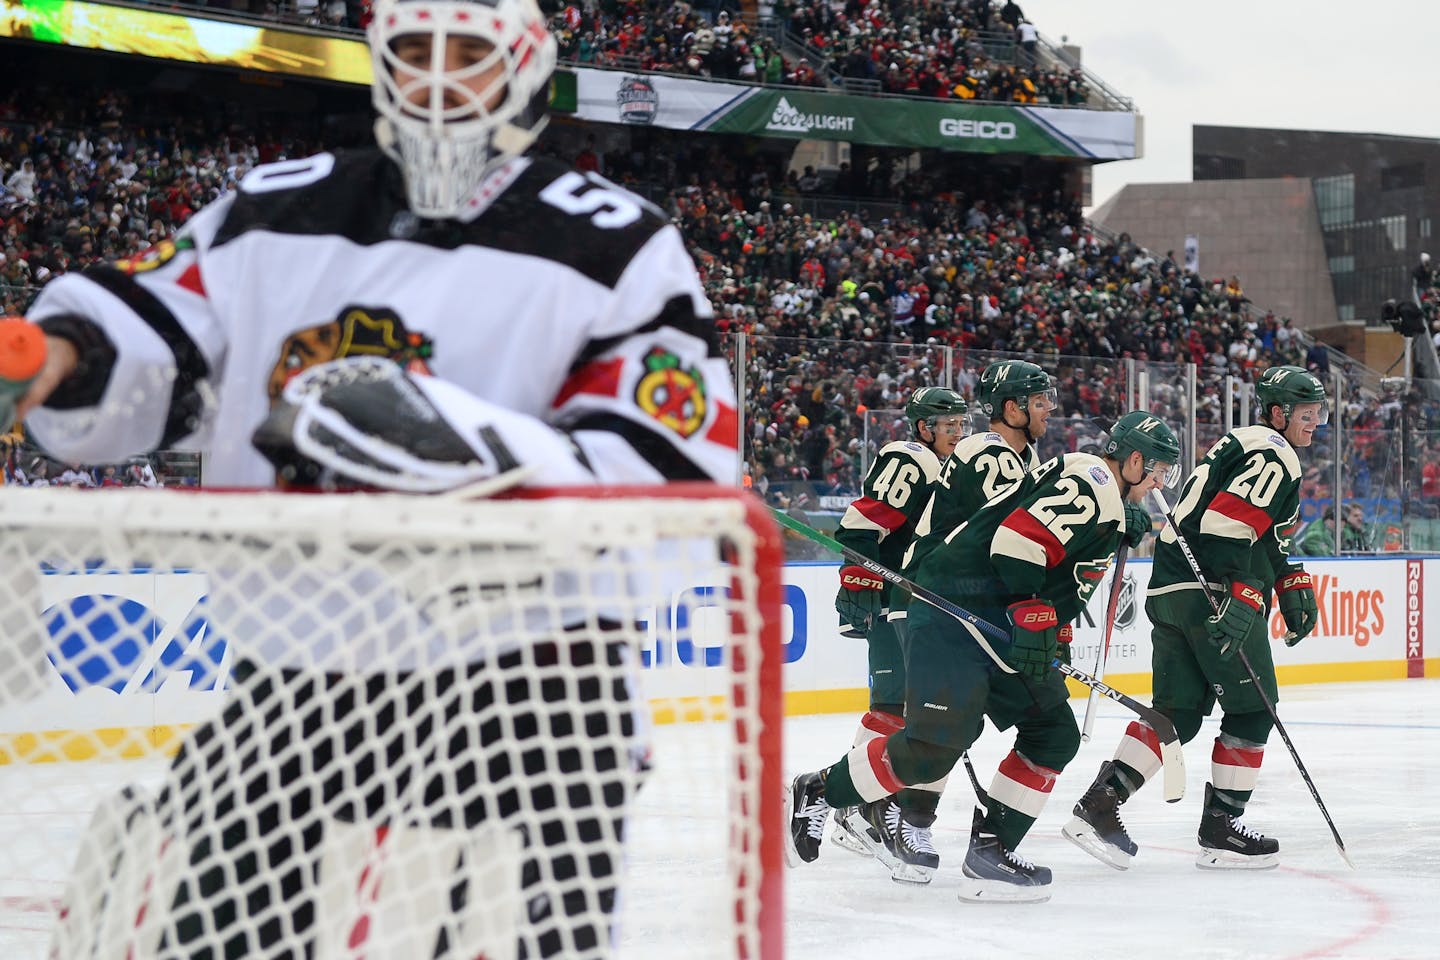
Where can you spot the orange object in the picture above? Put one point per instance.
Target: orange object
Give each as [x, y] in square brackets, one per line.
[22, 349]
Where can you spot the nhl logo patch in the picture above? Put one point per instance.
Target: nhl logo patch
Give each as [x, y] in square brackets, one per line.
[1101, 475]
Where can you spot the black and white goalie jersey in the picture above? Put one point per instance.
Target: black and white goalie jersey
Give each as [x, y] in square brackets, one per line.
[557, 295]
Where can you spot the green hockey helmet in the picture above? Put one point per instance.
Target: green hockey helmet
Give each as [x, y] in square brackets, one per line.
[1012, 379]
[1156, 442]
[1287, 386]
[928, 404]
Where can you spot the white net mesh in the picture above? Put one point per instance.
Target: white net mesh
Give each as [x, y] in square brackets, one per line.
[243, 725]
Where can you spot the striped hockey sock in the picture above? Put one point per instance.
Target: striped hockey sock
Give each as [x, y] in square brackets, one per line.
[1137, 759]
[1234, 770]
[1017, 796]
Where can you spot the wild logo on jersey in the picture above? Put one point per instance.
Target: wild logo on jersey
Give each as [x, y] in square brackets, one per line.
[1088, 575]
[356, 332]
[672, 396]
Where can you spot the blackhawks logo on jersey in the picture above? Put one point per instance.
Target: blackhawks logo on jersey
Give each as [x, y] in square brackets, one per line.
[152, 258]
[356, 332]
[671, 395]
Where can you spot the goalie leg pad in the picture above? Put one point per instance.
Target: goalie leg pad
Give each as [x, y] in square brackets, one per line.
[404, 891]
[123, 871]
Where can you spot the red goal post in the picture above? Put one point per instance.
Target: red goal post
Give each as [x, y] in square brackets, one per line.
[381, 725]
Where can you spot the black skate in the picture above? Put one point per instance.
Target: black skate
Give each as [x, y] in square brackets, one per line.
[905, 844]
[853, 833]
[997, 875]
[1096, 827]
[806, 812]
[1227, 844]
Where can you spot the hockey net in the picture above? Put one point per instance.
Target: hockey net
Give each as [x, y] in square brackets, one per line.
[260, 724]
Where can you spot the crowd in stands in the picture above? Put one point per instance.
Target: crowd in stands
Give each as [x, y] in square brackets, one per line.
[1010, 270]
[671, 37]
[984, 50]
[944, 49]
[82, 181]
[846, 307]
[23, 465]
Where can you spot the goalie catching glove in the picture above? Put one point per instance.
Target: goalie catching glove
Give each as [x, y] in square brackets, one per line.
[366, 421]
[859, 600]
[1296, 591]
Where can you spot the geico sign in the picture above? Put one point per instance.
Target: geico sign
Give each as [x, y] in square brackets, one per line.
[978, 129]
[1357, 615]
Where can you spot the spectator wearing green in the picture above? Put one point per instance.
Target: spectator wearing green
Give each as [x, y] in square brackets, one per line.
[1318, 540]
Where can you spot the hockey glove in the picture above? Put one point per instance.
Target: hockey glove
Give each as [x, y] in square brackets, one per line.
[1062, 643]
[1297, 604]
[1034, 627]
[859, 600]
[365, 421]
[1137, 523]
[1239, 611]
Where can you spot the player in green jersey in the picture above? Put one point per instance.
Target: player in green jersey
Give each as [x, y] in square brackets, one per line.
[1017, 399]
[879, 524]
[1237, 511]
[1030, 558]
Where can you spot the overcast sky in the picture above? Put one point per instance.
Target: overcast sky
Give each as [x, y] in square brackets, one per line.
[1360, 67]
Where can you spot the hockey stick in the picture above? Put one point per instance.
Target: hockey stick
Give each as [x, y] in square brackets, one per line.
[980, 793]
[1245, 662]
[1103, 653]
[1171, 753]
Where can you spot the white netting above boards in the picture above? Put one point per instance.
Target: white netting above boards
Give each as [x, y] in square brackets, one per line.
[262, 724]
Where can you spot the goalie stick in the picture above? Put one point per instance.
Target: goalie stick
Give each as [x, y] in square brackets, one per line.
[1245, 662]
[1172, 755]
[1103, 653]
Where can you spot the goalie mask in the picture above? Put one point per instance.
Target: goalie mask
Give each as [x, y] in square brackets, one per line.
[460, 86]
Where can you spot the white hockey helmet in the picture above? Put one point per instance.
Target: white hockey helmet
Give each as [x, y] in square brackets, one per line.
[446, 134]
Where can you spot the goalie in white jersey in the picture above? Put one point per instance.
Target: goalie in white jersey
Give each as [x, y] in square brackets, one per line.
[437, 311]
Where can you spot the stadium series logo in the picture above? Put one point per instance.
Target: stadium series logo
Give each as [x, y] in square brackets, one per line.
[789, 120]
[638, 100]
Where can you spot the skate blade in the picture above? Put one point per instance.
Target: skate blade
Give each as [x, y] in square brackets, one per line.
[1228, 860]
[1081, 834]
[973, 890]
[846, 839]
[900, 871]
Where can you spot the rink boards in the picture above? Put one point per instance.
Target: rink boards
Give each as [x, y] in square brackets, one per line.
[1372, 627]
